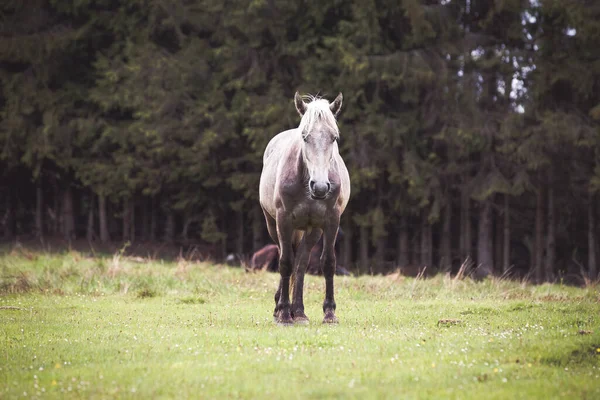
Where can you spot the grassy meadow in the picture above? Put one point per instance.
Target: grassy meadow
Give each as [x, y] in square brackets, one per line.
[73, 326]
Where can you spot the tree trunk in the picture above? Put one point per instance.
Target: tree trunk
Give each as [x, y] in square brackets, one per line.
[223, 229]
[8, 219]
[539, 233]
[468, 229]
[379, 256]
[153, 219]
[132, 219]
[146, 209]
[465, 227]
[423, 249]
[90, 220]
[415, 256]
[68, 214]
[364, 249]
[114, 223]
[187, 221]
[506, 238]
[39, 209]
[126, 219]
[426, 245]
[170, 227]
[347, 246]
[463, 230]
[54, 213]
[258, 227]
[446, 245]
[485, 257]
[402, 249]
[11, 221]
[102, 217]
[497, 240]
[239, 243]
[551, 237]
[592, 263]
[429, 236]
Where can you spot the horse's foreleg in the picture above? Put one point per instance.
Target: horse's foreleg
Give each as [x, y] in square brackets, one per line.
[272, 228]
[301, 262]
[328, 263]
[277, 296]
[286, 257]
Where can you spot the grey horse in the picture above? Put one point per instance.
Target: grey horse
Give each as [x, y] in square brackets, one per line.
[304, 189]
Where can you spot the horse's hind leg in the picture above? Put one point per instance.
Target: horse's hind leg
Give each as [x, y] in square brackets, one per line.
[328, 262]
[301, 261]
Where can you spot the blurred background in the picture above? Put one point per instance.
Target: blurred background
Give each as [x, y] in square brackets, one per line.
[470, 127]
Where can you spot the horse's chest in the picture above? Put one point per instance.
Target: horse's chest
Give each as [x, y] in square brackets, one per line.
[309, 215]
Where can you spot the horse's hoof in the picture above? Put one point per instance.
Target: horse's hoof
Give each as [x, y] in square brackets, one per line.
[299, 316]
[301, 320]
[330, 318]
[284, 319]
[279, 323]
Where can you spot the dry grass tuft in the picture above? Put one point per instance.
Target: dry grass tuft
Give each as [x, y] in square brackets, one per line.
[183, 268]
[17, 284]
[464, 270]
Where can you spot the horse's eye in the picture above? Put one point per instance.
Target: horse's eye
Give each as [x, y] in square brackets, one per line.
[305, 138]
[336, 139]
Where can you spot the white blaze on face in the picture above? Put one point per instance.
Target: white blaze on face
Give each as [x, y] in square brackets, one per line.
[317, 153]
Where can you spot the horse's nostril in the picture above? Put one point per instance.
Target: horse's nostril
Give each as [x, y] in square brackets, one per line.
[328, 186]
[319, 189]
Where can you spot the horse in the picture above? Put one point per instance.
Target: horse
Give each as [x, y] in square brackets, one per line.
[304, 189]
[265, 258]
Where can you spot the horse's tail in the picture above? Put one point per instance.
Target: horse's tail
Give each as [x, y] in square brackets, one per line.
[297, 239]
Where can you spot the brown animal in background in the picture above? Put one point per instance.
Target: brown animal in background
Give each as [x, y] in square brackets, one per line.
[267, 258]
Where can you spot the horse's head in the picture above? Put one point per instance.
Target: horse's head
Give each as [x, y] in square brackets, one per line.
[320, 134]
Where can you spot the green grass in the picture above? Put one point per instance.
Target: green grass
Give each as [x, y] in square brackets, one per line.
[77, 327]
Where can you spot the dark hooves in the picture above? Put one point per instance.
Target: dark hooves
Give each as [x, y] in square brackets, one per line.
[301, 320]
[330, 318]
[284, 323]
[299, 317]
[284, 319]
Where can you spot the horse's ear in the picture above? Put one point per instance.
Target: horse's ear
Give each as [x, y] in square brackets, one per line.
[300, 104]
[336, 106]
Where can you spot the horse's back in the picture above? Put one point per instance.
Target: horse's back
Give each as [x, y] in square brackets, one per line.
[278, 145]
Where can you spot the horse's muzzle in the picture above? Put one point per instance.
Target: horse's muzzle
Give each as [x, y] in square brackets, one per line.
[319, 190]
[314, 197]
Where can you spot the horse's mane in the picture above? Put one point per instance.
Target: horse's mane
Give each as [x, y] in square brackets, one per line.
[317, 110]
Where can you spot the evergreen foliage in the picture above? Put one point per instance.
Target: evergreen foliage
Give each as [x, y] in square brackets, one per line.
[148, 118]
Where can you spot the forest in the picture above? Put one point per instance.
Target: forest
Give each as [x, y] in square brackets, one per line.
[471, 128]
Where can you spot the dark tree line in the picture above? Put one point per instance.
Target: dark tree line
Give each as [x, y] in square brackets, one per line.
[471, 127]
